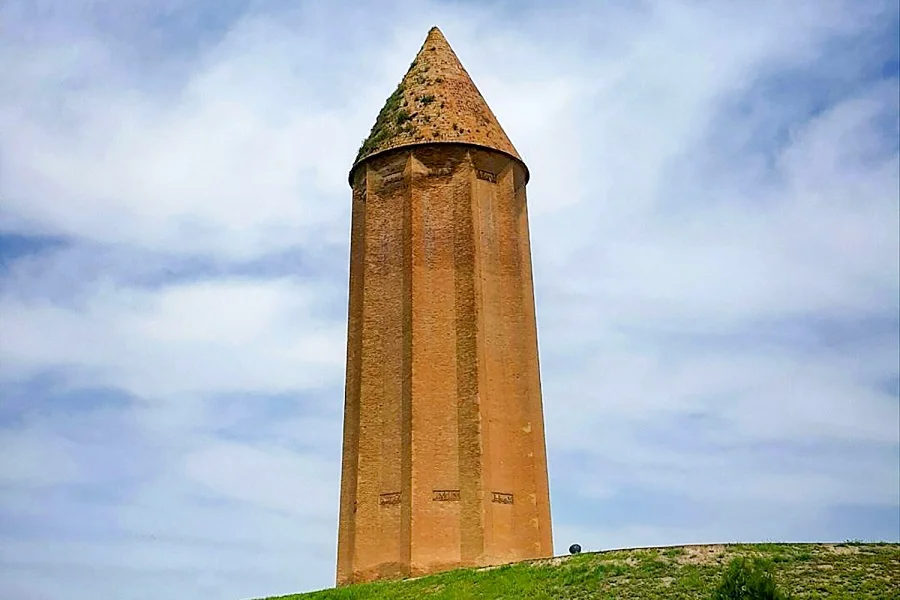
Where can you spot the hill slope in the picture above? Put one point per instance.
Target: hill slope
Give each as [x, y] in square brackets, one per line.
[811, 571]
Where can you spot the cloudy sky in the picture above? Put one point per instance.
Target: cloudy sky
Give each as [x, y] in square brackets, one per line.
[714, 212]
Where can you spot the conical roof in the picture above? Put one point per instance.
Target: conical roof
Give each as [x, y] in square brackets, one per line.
[436, 102]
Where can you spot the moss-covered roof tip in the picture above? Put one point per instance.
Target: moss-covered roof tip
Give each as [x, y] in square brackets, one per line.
[436, 101]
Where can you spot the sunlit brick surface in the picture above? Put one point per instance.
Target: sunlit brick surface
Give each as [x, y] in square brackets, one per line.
[444, 461]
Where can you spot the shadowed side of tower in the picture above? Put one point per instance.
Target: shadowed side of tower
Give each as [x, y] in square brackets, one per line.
[444, 461]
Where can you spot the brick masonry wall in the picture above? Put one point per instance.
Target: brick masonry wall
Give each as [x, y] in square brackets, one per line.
[444, 461]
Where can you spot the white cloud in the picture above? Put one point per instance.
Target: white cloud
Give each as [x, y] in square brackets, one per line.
[267, 477]
[205, 337]
[237, 161]
[32, 458]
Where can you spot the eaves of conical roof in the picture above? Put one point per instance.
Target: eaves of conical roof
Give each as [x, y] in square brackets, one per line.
[436, 102]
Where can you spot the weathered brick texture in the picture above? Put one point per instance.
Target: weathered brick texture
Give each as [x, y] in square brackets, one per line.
[444, 461]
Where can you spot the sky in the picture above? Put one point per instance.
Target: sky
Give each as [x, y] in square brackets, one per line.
[714, 218]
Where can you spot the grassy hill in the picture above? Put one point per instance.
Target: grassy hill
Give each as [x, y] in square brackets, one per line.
[849, 571]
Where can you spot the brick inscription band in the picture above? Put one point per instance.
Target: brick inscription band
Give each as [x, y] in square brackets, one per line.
[440, 171]
[389, 499]
[486, 175]
[501, 498]
[445, 495]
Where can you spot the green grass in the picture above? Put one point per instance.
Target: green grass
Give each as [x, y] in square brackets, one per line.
[849, 571]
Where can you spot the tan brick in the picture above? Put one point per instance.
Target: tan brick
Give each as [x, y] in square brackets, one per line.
[444, 461]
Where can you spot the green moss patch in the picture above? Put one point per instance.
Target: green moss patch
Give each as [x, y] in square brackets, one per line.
[391, 117]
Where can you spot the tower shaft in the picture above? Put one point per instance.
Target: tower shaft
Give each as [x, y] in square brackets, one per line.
[444, 461]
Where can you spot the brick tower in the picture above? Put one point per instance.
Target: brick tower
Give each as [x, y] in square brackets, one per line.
[444, 461]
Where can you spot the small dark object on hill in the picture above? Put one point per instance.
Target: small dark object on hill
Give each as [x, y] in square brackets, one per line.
[574, 549]
[748, 580]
